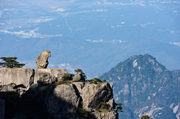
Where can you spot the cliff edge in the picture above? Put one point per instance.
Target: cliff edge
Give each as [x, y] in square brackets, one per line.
[53, 94]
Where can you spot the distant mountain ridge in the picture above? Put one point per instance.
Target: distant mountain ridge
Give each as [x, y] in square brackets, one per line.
[145, 86]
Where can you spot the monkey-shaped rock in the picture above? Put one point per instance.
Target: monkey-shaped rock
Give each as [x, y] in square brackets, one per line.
[42, 60]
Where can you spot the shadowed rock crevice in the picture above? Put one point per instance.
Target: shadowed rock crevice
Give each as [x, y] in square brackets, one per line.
[78, 94]
[31, 81]
[103, 95]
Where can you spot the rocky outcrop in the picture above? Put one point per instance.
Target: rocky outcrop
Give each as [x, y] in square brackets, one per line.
[63, 101]
[49, 74]
[80, 76]
[93, 94]
[54, 95]
[25, 77]
[42, 60]
[81, 95]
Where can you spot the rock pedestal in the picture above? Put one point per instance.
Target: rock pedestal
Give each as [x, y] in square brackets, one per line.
[27, 76]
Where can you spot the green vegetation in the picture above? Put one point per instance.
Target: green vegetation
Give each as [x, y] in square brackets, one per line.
[104, 107]
[145, 117]
[95, 80]
[45, 75]
[103, 80]
[82, 112]
[42, 78]
[67, 76]
[118, 107]
[12, 84]
[66, 79]
[78, 70]
[10, 62]
[63, 82]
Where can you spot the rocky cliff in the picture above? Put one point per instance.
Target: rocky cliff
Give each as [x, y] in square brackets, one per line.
[52, 94]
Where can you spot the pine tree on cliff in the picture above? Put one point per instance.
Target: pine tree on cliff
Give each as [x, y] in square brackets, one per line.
[10, 62]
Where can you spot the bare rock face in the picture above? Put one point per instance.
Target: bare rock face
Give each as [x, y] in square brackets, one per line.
[80, 76]
[16, 76]
[77, 77]
[23, 78]
[42, 60]
[66, 99]
[106, 115]
[93, 94]
[63, 102]
[49, 74]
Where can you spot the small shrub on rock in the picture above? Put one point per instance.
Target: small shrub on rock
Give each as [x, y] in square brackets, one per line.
[13, 84]
[95, 80]
[103, 80]
[67, 76]
[104, 107]
[63, 82]
[118, 107]
[45, 75]
[82, 112]
[78, 70]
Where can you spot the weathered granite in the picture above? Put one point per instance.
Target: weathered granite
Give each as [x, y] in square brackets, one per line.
[58, 100]
[7, 88]
[42, 60]
[16, 75]
[106, 115]
[80, 76]
[43, 73]
[93, 94]
[63, 101]
[28, 76]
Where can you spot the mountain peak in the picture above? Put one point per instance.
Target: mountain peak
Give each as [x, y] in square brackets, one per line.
[143, 85]
[141, 63]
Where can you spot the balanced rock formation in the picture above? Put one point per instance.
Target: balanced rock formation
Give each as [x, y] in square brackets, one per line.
[42, 60]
